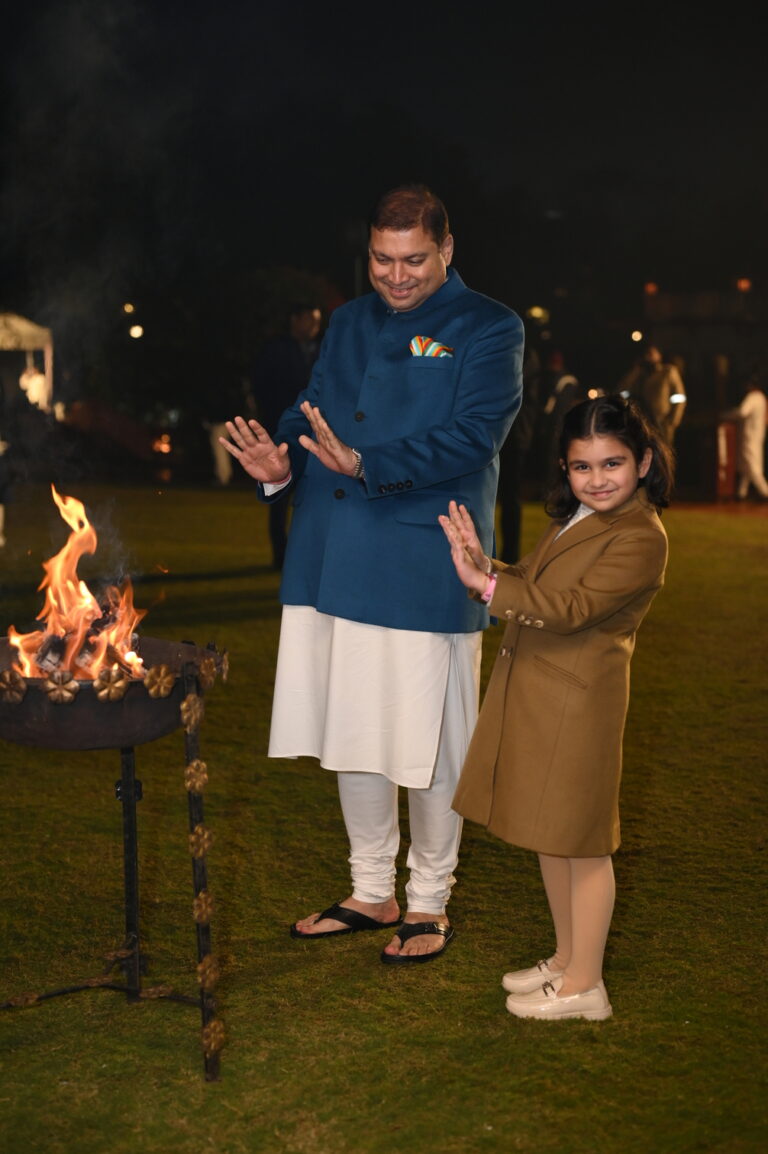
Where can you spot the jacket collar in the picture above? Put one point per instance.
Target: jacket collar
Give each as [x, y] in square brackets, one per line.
[589, 527]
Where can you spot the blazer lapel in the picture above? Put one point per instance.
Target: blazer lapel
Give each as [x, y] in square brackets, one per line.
[584, 530]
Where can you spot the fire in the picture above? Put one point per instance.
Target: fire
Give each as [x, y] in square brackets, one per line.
[81, 634]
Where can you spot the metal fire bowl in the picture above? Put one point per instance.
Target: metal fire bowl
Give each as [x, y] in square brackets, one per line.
[88, 723]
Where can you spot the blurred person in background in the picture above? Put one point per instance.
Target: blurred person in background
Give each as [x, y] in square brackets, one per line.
[750, 416]
[228, 395]
[282, 370]
[5, 485]
[513, 456]
[558, 392]
[658, 388]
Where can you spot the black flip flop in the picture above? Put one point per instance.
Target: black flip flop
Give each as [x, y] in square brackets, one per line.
[353, 920]
[412, 930]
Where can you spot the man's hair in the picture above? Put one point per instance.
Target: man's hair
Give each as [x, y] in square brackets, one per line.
[411, 206]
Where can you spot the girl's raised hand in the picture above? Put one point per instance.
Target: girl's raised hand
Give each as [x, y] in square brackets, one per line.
[466, 526]
[467, 555]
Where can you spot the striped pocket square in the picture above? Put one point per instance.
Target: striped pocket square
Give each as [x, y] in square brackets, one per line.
[427, 347]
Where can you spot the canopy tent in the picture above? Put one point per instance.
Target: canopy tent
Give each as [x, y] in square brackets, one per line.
[17, 334]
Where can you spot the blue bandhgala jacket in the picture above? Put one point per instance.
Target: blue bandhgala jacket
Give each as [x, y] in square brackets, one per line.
[429, 428]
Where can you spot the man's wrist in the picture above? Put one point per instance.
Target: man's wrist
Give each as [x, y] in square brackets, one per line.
[358, 472]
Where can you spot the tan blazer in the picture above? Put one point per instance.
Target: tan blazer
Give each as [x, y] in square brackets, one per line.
[544, 764]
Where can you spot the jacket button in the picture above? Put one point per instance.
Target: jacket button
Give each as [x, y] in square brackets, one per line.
[400, 485]
[508, 614]
[339, 494]
[390, 487]
[359, 416]
[382, 489]
[503, 651]
[539, 624]
[521, 619]
[409, 484]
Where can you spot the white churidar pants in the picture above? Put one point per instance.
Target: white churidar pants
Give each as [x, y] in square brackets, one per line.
[383, 708]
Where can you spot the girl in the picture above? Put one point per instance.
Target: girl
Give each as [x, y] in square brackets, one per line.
[544, 764]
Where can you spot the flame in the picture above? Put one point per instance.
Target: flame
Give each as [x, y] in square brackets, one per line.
[81, 634]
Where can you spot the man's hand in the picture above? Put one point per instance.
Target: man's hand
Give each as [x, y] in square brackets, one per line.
[327, 447]
[252, 446]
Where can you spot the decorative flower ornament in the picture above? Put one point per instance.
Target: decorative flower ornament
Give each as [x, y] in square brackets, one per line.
[192, 711]
[207, 673]
[12, 686]
[61, 687]
[196, 776]
[159, 681]
[200, 841]
[110, 685]
[202, 908]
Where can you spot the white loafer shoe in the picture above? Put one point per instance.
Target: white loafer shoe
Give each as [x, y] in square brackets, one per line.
[545, 1005]
[527, 981]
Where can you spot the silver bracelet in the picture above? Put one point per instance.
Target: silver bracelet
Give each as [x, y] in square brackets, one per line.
[358, 473]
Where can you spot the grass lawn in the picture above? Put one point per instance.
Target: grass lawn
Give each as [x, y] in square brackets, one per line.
[327, 1050]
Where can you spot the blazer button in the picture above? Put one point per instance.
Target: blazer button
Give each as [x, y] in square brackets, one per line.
[382, 489]
[409, 484]
[359, 416]
[400, 485]
[508, 614]
[539, 624]
[339, 494]
[503, 651]
[521, 619]
[390, 487]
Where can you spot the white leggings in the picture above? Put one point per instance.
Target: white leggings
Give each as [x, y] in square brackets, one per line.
[369, 803]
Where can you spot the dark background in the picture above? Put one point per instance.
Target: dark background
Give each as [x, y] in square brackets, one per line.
[207, 162]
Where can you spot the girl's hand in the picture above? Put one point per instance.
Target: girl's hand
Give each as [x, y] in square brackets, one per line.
[468, 558]
[463, 522]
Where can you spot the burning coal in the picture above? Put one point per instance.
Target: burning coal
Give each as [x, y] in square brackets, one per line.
[81, 634]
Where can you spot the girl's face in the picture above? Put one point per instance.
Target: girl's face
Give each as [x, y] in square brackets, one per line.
[603, 472]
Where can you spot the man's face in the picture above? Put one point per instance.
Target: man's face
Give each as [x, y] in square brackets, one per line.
[407, 267]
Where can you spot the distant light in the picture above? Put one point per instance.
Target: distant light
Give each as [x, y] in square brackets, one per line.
[592, 393]
[136, 331]
[129, 308]
[677, 398]
[744, 284]
[537, 313]
[162, 444]
[650, 288]
[636, 336]
[625, 393]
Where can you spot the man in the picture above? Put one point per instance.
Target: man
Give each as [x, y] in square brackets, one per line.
[412, 396]
[658, 389]
[282, 370]
[751, 415]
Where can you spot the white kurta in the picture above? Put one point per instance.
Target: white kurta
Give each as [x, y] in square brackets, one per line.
[367, 699]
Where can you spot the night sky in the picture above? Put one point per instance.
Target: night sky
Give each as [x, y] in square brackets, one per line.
[180, 154]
